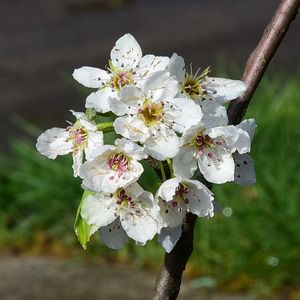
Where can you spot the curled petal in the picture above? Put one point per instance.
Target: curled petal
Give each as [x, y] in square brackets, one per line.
[91, 77]
[113, 235]
[54, 142]
[244, 169]
[169, 237]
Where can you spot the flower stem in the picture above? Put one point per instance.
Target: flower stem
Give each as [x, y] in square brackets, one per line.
[162, 171]
[170, 165]
[105, 126]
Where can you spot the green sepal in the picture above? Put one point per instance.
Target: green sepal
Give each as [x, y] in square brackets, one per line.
[81, 227]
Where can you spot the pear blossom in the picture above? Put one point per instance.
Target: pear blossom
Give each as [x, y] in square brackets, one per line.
[176, 197]
[209, 92]
[79, 138]
[211, 149]
[244, 165]
[152, 116]
[127, 66]
[114, 167]
[131, 208]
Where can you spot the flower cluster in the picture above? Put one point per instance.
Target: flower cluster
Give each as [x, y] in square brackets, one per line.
[164, 120]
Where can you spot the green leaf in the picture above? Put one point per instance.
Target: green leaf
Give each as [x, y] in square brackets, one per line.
[149, 180]
[81, 227]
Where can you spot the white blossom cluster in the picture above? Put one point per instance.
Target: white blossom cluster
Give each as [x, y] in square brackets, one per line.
[164, 116]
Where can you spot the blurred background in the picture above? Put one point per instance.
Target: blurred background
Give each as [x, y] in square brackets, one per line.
[250, 250]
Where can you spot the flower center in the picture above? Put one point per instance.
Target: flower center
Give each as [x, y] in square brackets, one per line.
[121, 79]
[118, 162]
[191, 85]
[78, 135]
[151, 113]
[180, 195]
[202, 142]
[124, 201]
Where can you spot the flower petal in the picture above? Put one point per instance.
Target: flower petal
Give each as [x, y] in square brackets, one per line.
[126, 53]
[185, 163]
[91, 77]
[169, 237]
[182, 113]
[177, 67]
[142, 227]
[133, 150]
[77, 161]
[54, 142]
[132, 128]
[223, 89]
[95, 141]
[244, 169]
[167, 189]
[151, 63]
[248, 125]
[98, 210]
[217, 170]
[214, 114]
[113, 235]
[101, 100]
[163, 143]
[161, 86]
[200, 198]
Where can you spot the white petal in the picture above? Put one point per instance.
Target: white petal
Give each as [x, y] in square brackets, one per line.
[160, 86]
[169, 237]
[191, 133]
[95, 141]
[214, 114]
[130, 98]
[216, 171]
[126, 53]
[244, 169]
[113, 235]
[98, 210]
[167, 190]
[97, 176]
[54, 142]
[151, 63]
[200, 198]
[183, 112]
[101, 100]
[223, 89]
[91, 77]
[248, 125]
[185, 162]
[171, 216]
[177, 67]
[133, 150]
[142, 227]
[77, 161]
[236, 139]
[163, 143]
[132, 128]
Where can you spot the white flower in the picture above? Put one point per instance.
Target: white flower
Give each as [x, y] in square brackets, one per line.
[114, 167]
[212, 150]
[178, 196]
[81, 137]
[126, 67]
[244, 165]
[208, 92]
[151, 115]
[131, 207]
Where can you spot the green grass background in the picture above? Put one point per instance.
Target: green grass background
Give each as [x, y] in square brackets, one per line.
[253, 244]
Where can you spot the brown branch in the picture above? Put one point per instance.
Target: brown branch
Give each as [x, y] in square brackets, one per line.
[169, 279]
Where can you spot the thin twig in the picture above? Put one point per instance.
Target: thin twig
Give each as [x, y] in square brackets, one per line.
[169, 279]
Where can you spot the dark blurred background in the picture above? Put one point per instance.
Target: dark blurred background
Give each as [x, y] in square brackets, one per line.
[252, 248]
